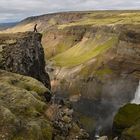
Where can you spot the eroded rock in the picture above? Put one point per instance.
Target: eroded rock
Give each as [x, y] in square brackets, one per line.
[23, 53]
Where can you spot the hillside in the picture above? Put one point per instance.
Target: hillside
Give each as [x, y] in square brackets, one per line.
[92, 57]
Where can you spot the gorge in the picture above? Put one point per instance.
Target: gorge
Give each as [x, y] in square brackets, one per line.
[93, 60]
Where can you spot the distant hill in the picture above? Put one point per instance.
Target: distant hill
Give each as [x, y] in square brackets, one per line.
[4, 26]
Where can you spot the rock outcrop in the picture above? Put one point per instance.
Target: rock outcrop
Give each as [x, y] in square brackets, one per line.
[23, 53]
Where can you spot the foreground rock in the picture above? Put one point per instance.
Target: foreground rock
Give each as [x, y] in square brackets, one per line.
[22, 107]
[127, 122]
[65, 128]
[23, 53]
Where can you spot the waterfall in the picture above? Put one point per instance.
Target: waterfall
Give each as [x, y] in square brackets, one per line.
[136, 99]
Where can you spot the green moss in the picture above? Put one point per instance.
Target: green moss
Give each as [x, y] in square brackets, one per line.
[103, 72]
[132, 132]
[22, 108]
[36, 130]
[24, 82]
[47, 133]
[83, 52]
[126, 117]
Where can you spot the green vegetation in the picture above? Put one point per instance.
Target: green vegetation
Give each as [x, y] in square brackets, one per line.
[22, 106]
[58, 45]
[132, 132]
[84, 51]
[127, 120]
[103, 72]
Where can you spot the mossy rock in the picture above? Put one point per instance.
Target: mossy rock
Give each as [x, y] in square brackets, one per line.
[132, 133]
[22, 107]
[127, 122]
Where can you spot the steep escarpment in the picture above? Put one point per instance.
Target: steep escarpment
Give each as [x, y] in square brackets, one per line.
[23, 53]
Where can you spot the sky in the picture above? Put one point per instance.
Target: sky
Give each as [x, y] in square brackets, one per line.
[16, 10]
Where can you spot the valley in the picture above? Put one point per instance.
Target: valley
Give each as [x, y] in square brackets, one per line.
[93, 59]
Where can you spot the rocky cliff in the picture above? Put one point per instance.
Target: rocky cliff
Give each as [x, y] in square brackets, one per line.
[23, 53]
[25, 113]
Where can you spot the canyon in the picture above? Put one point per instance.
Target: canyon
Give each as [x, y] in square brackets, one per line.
[93, 59]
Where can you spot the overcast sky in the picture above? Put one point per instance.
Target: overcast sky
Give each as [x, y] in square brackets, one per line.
[15, 10]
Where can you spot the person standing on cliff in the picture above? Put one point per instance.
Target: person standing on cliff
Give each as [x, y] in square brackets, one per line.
[35, 28]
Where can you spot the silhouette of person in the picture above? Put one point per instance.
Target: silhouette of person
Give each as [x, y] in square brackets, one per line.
[35, 28]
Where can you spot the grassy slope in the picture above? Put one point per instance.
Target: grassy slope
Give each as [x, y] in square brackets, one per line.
[84, 51]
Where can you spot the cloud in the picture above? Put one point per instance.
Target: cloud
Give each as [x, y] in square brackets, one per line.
[14, 10]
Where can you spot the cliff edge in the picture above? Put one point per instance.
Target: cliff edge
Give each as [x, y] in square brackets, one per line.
[23, 53]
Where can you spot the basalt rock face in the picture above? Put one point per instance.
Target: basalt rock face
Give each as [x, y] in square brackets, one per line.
[23, 53]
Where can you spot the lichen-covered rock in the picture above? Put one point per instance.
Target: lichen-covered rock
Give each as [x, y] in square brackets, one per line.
[23, 53]
[22, 107]
[127, 122]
